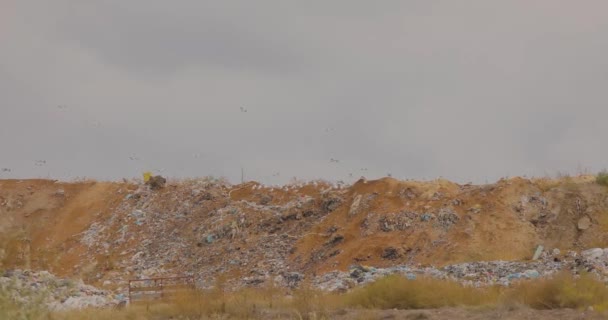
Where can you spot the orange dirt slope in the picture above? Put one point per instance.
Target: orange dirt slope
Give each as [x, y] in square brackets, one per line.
[72, 228]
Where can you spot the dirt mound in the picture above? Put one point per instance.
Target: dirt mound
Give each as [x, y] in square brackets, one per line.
[107, 232]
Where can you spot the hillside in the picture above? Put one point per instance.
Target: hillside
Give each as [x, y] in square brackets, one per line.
[108, 232]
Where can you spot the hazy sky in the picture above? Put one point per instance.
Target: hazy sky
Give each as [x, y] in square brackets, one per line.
[466, 90]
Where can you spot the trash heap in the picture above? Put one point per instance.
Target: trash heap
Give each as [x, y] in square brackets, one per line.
[43, 288]
[477, 274]
[200, 228]
[252, 234]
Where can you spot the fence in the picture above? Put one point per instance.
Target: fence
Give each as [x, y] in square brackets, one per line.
[158, 288]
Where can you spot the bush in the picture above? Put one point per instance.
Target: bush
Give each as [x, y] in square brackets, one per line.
[561, 291]
[400, 293]
[602, 178]
[26, 305]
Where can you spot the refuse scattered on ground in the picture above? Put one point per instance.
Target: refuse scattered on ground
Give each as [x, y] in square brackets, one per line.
[56, 293]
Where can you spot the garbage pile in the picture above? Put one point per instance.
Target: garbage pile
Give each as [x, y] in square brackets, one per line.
[477, 274]
[42, 288]
[208, 227]
[202, 228]
[251, 234]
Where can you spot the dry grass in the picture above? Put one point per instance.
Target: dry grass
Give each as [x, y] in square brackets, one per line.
[13, 244]
[561, 291]
[393, 292]
[398, 292]
[546, 184]
[15, 309]
[602, 220]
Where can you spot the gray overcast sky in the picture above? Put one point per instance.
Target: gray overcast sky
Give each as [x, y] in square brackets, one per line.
[466, 90]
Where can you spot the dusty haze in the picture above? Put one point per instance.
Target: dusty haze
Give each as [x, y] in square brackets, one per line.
[467, 90]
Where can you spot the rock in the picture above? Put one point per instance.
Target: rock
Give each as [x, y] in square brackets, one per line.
[584, 223]
[593, 254]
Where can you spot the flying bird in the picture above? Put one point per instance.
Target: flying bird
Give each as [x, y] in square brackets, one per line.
[334, 160]
[5, 170]
[243, 109]
[40, 163]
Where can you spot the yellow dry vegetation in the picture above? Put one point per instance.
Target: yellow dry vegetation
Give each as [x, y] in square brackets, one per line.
[396, 292]
[561, 291]
[393, 292]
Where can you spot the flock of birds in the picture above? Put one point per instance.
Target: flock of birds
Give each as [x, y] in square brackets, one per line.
[40, 163]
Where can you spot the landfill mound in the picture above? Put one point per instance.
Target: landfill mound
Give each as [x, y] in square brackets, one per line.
[108, 232]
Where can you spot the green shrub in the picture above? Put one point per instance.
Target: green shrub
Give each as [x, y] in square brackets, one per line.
[602, 178]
